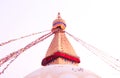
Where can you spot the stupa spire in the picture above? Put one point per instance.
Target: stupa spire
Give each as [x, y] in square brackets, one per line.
[60, 50]
[60, 59]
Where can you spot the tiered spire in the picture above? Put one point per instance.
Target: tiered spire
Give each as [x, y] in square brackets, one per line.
[61, 57]
[60, 50]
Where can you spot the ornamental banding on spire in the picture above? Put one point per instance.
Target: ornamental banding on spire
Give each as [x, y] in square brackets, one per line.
[58, 23]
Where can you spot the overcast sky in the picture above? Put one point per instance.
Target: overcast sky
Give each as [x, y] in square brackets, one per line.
[94, 21]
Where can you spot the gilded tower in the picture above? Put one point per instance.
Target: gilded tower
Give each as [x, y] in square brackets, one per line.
[60, 50]
[61, 60]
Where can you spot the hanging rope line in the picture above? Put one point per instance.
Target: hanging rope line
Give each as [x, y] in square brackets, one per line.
[111, 61]
[12, 40]
[12, 56]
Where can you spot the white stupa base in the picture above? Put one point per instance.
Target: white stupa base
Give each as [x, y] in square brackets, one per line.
[62, 71]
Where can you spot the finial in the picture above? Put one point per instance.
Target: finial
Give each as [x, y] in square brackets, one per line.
[59, 23]
[59, 15]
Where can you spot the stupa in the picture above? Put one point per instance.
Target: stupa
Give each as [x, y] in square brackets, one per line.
[61, 60]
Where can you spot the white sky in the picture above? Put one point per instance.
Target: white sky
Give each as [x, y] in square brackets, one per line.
[94, 21]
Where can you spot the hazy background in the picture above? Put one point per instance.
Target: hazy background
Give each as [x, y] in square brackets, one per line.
[94, 21]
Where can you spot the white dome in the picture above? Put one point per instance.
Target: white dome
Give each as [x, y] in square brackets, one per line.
[62, 71]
